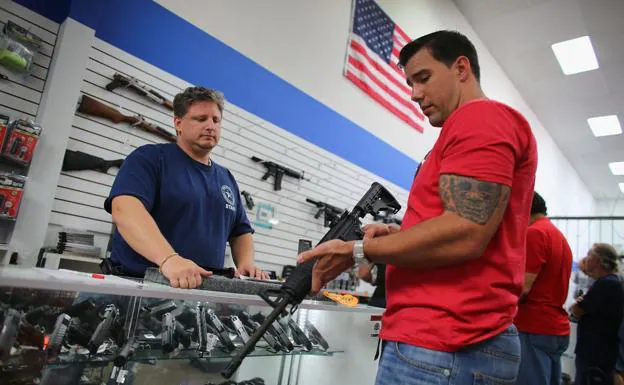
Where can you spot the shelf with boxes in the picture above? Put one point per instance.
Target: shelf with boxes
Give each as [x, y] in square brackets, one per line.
[18, 141]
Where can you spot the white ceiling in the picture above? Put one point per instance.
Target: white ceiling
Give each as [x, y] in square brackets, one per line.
[519, 34]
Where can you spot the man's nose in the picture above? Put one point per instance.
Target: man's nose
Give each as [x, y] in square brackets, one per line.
[417, 93]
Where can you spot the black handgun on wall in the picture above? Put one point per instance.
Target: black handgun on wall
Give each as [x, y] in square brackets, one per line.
[248, 200]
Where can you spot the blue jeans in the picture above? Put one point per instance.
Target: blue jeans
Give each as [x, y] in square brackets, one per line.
[541, 359]
[492, 362]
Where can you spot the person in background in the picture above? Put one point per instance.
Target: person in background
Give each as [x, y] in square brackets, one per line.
[175, 208]
[600, 313]
[454, 271]
[541, 319]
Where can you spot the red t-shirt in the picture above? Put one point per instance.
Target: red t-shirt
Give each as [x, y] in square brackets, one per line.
[452, 307]
[549, 256]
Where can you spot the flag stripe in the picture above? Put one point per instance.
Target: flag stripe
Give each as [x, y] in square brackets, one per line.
[402, 34]
[365, 87]
[410, 112]
[361, 50]
[402, 93]
[398, 97]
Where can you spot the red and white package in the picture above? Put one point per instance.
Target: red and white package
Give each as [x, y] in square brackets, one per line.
[11, 190]
[4, 122]
[21, 142]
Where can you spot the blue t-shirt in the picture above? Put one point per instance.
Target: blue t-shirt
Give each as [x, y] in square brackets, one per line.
[196, 207]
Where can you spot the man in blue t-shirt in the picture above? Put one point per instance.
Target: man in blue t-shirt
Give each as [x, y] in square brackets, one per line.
[175, 208]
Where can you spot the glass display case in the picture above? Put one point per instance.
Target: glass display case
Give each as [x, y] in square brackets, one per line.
[67, 327]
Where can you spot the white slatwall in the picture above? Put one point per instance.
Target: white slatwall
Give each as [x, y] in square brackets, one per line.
[80, 195]
[21, 94]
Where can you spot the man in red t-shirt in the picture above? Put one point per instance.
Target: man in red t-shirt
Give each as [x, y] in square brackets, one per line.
[455, 269]
[542, 321]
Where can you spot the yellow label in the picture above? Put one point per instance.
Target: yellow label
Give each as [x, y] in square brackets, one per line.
[343, 299]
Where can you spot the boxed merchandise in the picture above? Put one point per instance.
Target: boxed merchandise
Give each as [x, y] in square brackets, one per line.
[21, 141]
[4, 122]
[11, 190]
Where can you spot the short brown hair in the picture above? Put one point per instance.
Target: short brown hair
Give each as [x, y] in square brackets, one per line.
[183, 101]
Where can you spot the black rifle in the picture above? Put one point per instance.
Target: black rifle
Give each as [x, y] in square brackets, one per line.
[120, 80]
[277, 171]
[299, 283]
[76, 161]
[331, 213]
[248, 200]
[103, 330]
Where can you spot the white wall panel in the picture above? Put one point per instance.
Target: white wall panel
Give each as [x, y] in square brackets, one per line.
[80, 194]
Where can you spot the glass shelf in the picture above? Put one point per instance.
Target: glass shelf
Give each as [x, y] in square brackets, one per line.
[153, 355]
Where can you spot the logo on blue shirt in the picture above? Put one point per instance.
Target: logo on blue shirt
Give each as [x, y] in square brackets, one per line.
[228, 195]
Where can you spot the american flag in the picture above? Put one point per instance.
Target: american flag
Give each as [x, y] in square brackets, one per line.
[372, 61]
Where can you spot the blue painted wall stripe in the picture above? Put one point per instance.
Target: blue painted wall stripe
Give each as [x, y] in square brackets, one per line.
[152, 33]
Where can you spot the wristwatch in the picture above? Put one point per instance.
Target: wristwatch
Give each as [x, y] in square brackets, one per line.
[358, 253]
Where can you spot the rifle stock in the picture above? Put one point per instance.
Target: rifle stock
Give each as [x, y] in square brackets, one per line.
[90, 106]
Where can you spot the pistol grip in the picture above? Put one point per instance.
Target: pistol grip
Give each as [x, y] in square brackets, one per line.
[278, 181]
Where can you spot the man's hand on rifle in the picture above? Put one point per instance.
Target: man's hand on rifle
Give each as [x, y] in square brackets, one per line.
[335, 257]
[183, 273]
[252, 271]
[379, 230]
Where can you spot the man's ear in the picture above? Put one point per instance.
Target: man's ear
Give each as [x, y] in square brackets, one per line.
[463, 68]
[177, 122]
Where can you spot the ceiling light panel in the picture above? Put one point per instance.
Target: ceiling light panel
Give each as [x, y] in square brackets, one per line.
[576, 55]
[617, 168]
[605, 125]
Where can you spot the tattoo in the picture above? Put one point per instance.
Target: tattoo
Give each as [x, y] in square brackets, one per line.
[472, 199]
